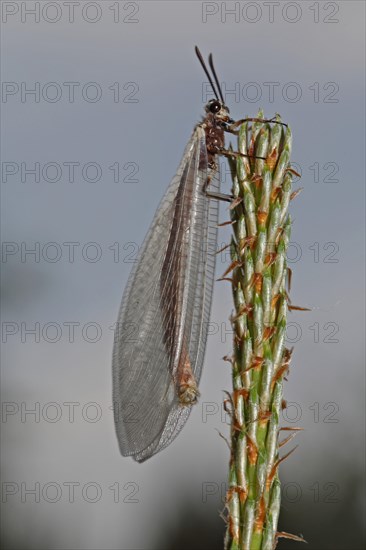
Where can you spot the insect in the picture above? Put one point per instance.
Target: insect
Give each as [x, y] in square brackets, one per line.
[163, 321]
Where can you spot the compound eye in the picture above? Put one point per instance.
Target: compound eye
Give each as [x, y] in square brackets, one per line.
[215, 106]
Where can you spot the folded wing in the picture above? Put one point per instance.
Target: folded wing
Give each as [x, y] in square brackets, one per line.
[165, 310]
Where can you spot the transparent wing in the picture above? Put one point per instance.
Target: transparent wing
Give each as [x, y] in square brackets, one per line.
[166, 305]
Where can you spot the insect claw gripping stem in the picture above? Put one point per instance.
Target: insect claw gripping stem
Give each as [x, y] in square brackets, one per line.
[260, 120]
[235, 154]
[230, 128]
[262, 180]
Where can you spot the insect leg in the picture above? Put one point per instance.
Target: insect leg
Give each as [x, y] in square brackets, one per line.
[225, 152]
[235, 154]
[231, 128]
[213, 194]
[219, 196]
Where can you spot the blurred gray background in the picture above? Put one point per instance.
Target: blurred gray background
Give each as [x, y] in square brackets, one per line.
[116, 92]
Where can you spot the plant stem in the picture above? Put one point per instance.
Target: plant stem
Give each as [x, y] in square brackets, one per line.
[261, 233]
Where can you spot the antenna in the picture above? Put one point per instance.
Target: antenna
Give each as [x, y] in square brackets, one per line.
[199, 55]
[210, 61]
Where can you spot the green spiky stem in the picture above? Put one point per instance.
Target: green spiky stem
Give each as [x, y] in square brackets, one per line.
[261, 232]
